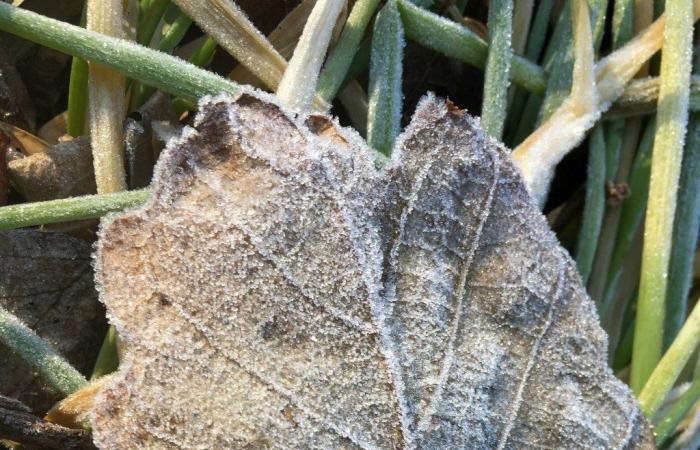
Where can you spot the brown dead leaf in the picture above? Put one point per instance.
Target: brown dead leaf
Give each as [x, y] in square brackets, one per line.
[54, 130]
[46, 281]
[23, 141]
[18, 424]
[16, 107]
[65, 170]
[278, 292]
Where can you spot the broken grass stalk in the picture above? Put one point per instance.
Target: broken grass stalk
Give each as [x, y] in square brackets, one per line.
[298, 84]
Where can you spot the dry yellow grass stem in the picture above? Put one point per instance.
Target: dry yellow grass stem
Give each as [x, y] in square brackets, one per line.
[539, 154]
[298, 85]
[73, 411]
[106, 102]
[225, 22]
[283, 38]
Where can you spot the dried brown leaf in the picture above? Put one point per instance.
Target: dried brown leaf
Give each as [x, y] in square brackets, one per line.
[23, 141]
[278, 292]
[55, 129]
[16, 106]
[65, 170]
[46, 281]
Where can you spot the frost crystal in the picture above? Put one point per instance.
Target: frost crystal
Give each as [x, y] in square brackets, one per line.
[278, 292]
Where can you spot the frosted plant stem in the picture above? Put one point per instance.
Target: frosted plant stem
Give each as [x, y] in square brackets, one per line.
[609, 297]
[533, 51]
[672, 119]
[664, 376]
[338, 62]
[667, 424]
[685, 234]
[457, 41]
[106, 100]
[165, 72]
[539, 154]
[622, 141]
[225, 22]
[497, 73]
[599, 284]
[68, 209]
[594, 206]
[385, 74]
[298, 85]
[641, 97]
[37, 353]
[176, 31]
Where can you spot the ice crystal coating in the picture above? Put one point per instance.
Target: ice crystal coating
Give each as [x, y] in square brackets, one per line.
[279, 292]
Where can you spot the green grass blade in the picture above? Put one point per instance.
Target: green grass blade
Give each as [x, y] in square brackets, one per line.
[685, 235]
[456, 41]
[68, 209]
[664, 376]
[77, 93]
[108, 357]
[685, 229]
[667, 424]
[497, 72]
[631, 214]
[594, 205]
[341, 57]
[203, 55]
[665, 172]
[38, 354]
[77, 97]
[151, 67]
[150, 20]
[533, 51]
[172, 37]
[385, 75]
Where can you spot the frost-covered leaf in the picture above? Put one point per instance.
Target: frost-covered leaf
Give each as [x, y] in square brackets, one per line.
[278, 292]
